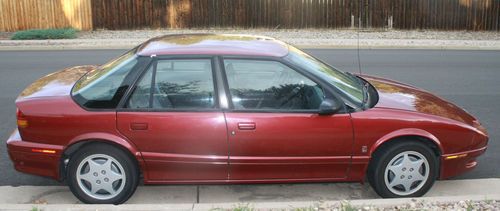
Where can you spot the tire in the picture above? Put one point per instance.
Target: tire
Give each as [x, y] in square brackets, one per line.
[102, 174]
[403, 169]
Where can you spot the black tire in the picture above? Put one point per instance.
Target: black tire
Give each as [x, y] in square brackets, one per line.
[383, 156]
[129, 166]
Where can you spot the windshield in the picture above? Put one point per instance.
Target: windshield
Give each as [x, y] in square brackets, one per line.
[99, 87]
[345, 83]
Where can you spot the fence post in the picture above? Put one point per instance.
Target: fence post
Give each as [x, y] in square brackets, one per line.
[389, 22]
[352, 21]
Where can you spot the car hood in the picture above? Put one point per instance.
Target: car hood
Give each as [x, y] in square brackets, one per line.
[58, 83]
[395, 95]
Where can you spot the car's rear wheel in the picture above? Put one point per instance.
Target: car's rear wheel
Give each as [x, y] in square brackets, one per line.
[403, 169]
[102, 174]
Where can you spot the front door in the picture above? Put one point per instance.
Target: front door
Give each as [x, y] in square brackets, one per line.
[173, 118]
[274, 129]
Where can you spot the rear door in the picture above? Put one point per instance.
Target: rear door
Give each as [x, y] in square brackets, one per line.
[172, 115]
[275, 131]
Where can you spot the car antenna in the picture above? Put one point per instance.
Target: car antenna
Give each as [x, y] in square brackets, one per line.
[360, 12]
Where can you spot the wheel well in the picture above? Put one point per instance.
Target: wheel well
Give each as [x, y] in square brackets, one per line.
[431, 144]
[76, 146]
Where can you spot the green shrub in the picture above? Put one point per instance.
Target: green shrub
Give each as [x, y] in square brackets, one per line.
[44, 34]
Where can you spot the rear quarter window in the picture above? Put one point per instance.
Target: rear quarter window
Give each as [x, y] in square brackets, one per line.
[104, 87]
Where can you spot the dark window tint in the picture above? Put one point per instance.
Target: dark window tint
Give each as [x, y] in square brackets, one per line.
[177, 84]
[103, 87]
[270, 85]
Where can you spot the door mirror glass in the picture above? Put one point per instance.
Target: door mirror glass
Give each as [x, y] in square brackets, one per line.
[329, 107]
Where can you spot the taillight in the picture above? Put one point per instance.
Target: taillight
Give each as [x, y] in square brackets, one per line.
[22, 122]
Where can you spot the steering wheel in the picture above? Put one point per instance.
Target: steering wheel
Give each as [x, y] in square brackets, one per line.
[295, 91]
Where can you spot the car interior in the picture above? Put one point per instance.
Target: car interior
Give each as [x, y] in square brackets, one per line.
[270, 85]
[179, 84]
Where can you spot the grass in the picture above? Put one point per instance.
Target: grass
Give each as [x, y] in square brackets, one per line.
[243, 207]
[45, 34]
[346, 206]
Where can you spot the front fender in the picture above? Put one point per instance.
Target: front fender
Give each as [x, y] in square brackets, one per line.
[406, 132]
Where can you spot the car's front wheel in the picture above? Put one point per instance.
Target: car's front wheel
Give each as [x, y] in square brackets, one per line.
[102, 174]
[405, 169]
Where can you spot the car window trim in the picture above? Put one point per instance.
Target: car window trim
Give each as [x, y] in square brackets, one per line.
[327, 92]
[154, 61]
[136, 80]
[153, 83]
[223, 90]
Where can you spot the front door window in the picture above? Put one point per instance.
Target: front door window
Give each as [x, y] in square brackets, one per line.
[270, 85]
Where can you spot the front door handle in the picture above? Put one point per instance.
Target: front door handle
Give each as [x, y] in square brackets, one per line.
[246, 125]
[138, 126]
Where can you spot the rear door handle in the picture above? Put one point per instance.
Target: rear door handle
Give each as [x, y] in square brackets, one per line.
[246, 125]
[138, 126]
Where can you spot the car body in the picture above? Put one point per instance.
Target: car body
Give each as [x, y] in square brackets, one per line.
[237, 109]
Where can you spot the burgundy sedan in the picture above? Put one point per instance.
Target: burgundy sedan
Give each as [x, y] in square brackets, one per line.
[206, 108]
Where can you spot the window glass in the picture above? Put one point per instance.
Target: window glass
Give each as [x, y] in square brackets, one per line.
[102, 87]
[178, 84]
[140, 97]
[348, 85]
[270, 85]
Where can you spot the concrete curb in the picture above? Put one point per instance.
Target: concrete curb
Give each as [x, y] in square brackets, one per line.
[303, 43]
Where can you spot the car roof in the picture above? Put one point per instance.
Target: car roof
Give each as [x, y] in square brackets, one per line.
[213, 44]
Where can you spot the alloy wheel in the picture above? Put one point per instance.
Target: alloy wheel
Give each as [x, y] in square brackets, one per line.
[100, 176]
[406, 173]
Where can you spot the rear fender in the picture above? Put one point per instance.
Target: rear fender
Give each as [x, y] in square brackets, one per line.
[105, 138]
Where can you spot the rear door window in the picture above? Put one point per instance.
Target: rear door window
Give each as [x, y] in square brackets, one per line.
[176, 84]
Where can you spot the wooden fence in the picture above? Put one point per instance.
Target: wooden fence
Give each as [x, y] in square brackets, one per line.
[135, 14]
[28, 14]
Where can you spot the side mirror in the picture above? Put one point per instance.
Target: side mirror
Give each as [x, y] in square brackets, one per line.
[329, 107]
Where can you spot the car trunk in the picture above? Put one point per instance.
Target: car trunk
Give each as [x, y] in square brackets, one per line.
[45, 101]
[55, 84]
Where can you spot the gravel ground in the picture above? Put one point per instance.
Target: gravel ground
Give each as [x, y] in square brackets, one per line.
[422, 205]
[324, 38]
[292, 34]
[413, 206]
[301, 34]
[6, 35]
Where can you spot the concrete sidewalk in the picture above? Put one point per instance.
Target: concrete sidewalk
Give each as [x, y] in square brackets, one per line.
[300, 42]
[225, 196]
[471, 202]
